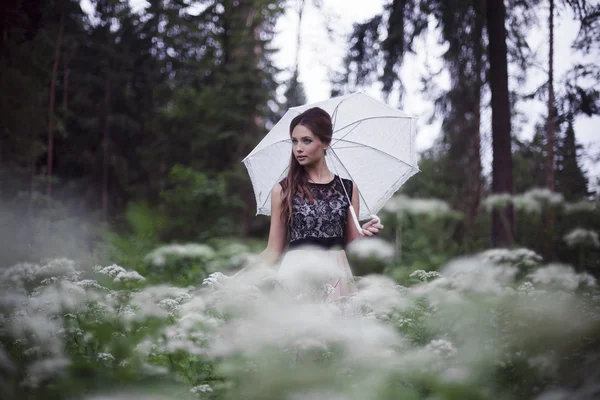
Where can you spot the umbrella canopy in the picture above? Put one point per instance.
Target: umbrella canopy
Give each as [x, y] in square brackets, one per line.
[373, 145]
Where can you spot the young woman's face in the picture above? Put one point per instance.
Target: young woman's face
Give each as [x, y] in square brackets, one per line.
[307, 147]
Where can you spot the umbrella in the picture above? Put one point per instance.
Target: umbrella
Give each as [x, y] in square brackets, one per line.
[373, 144]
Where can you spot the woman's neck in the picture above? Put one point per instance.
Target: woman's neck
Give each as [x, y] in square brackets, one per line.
[319, 173]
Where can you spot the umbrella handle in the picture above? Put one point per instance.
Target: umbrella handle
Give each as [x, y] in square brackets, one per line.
[373, 216]
[355, 219]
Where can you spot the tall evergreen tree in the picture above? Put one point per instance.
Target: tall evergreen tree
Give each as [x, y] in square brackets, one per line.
[570, 178]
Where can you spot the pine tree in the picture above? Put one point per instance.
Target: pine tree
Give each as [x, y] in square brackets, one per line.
[570, 178]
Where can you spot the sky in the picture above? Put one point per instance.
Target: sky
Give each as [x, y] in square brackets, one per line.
[323, 45]
[321, 53]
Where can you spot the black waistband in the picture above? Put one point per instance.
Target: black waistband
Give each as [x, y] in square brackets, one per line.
[326, 243]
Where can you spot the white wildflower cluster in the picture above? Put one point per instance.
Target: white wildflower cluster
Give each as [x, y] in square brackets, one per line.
[526, 288]
[129, 276]
[424, 275]
[105, 358]
[159, 256]
[496, 201]
[371, 247]
[214, 279]
[190, 334]
[441, 347]
[201, 389]
[400, 204]
[515, 257]
[146, 348]
[90, 284]
[156, 301]
[471, 274]
[534, 200]
[580, 206]
[562, 277]
[48, 272]
[582, 237]
[111, 270]
[119, 274]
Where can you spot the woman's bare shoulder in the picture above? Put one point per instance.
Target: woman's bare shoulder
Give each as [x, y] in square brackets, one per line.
[277, 189]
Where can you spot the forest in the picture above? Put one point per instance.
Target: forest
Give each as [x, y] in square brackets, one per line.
[125, 208]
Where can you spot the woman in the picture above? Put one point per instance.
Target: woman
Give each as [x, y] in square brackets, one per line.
[312, 204]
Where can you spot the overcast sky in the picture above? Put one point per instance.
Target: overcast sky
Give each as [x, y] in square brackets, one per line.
[321, 53]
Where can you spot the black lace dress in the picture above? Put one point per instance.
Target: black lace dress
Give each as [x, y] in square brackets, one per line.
[322, 223]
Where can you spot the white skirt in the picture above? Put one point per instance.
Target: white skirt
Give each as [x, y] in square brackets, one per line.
[317, 270]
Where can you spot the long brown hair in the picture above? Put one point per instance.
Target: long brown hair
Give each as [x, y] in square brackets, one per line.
[319, 123]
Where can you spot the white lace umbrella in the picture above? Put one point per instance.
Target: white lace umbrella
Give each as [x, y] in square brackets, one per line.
[373, 145]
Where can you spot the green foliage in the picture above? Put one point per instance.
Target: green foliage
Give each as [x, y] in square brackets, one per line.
[195, 206]
[139, 235]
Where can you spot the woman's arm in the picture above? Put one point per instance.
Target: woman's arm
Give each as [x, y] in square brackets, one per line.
[371, 228]
[278, 229]
[351, 232]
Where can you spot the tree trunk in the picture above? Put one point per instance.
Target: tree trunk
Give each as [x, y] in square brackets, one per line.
[51, 105]
[502, 179]
[475, 161]
[65, 83]
[550, 137]
[105, 149]
[550, 140]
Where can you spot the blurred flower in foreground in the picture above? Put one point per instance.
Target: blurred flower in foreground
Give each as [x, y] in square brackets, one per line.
[580, 236]
[159, 256]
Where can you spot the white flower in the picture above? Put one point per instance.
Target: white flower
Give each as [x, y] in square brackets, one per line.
[59, 268]
[64, 296]
[526, 288]
[424, 275]
[441, 347]
[214, 278]
[371, 247]
[171, 305]
[470, 274]
[147, 302]
[544, 195]
[20, 274]
[90, 284]
[159, 256]
[403, 204]
[201, 389]
[129, 276]
[580, 236]
[111, 270]
[106, 358]
[562, 276]
[497, 201]
[580, 206]
[513, 257]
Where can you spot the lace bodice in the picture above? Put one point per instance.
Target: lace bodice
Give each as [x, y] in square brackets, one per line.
[322, 223]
